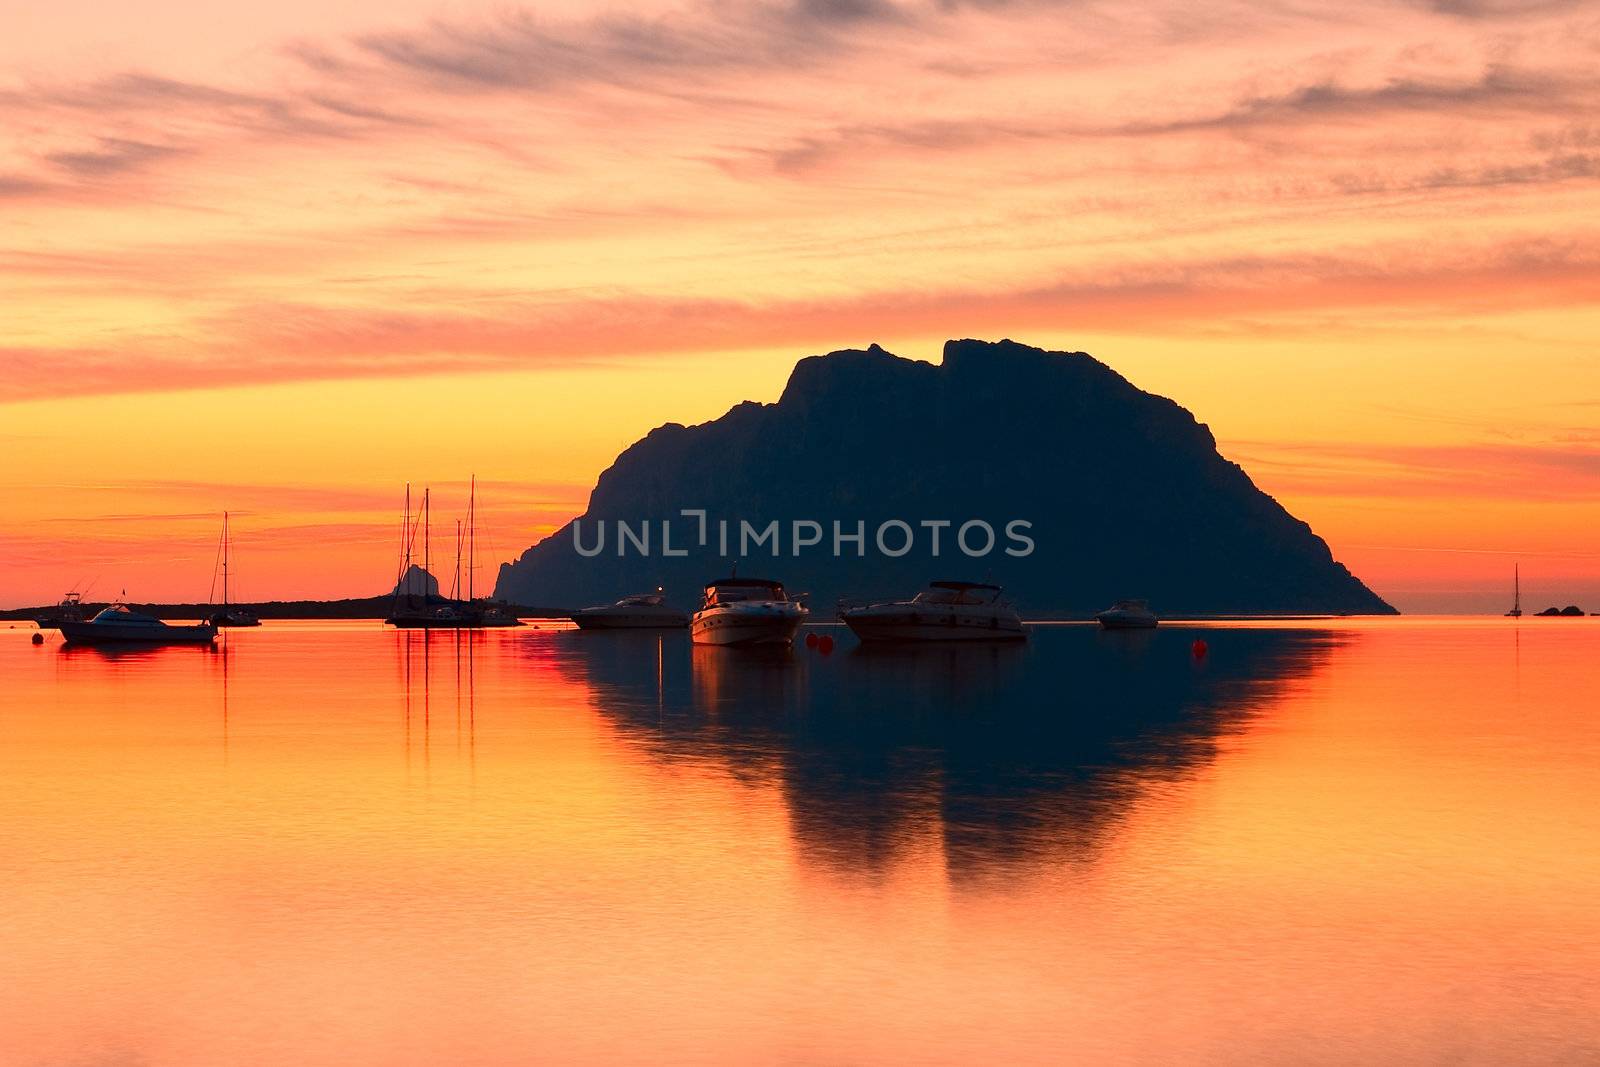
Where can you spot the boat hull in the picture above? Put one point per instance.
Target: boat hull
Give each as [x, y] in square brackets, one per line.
[727, 628]
[88, 633]
[906, 628]
[464, 618]
[402, 622]
[1126, 622]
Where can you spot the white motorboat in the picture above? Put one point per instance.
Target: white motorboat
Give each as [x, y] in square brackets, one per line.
[945, 611]
[117, 625]
[746, 611]
[643, 611]
[1128, 615]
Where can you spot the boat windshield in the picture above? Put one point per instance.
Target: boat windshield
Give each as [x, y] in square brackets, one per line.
[643, 600]
[119, 613]
[950, 595]
[733, 591]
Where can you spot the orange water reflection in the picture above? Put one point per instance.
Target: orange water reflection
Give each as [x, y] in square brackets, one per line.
[337, 844]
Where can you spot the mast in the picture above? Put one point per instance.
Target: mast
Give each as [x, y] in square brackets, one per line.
[1516, 587]
[403, 586]
[455, 584]
[472, 534]
[427, 548]
[224, 559]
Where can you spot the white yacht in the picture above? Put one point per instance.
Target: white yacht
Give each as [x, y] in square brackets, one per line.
[1128, 615]
[643, 611]
[118, 625]
[746, 611]
[945, 611]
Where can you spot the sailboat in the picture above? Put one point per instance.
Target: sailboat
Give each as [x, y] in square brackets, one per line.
[1516, 594]
[483, 612]
[435, 612]
[230, 616]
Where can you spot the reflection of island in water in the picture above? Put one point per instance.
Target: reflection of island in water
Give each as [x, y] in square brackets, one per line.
[1009, 753]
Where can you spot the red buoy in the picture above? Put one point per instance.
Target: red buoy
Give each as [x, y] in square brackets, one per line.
[811, 639]
[1199, 648]
[825, 644]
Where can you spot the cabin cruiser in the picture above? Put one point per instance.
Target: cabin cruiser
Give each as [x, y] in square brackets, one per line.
[945, 611]
[643, 611]
[746, 611]
[70, 609]
[118, 625]
[1128, 615]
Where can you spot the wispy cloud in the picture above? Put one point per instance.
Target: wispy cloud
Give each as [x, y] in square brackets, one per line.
[1550, 471]
[110, 156]
[517, 189]
[308, 342]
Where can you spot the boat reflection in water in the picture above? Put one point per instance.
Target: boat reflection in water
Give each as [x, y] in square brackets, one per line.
[1003, 750]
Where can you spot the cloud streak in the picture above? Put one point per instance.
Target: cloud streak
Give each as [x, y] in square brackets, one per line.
[305, 342]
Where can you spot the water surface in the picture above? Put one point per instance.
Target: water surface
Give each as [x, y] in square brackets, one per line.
[1368, 841]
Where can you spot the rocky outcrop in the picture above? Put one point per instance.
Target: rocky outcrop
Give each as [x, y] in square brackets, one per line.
[1123, 494]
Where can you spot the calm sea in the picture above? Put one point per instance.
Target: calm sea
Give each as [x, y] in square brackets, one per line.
[1355, 842]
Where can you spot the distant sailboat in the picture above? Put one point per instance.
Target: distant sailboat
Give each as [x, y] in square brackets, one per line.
[436, 612]
[230, 616]
[1516, 593]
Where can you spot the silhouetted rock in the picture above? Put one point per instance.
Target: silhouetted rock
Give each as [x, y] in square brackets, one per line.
[1125, 492]
[1571, 611]
[416, 582]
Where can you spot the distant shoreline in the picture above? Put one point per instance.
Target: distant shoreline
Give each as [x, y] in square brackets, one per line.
[381, 607]
[377, 607]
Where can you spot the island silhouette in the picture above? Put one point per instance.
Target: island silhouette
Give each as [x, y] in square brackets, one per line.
[1123, 492]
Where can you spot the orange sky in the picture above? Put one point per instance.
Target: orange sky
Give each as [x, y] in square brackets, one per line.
[282, 260]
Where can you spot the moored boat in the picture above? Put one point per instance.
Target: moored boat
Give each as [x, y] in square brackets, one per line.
[118, 625]
[642, 611]
[230, 615]
[945, 611]
[428, 610]
[1128, 615]
[70, 610]
[1516, 593]
[746, 611]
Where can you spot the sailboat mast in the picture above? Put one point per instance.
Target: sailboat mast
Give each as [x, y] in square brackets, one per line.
[1516, 586]
[224, 559]
[455, 584]
[402, 586]
[427, 547]
[472, 535]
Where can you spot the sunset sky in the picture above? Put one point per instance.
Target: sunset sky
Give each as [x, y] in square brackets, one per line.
[282, 258]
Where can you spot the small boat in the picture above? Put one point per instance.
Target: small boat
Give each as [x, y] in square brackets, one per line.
[945, 611]
[230, 616]
[1516, 593]
[1128, 615]
[118, 625]
[69, 610]
[746, 611]
[643, 611]
[485, 614]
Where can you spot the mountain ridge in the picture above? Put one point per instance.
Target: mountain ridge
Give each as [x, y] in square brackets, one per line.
[1123, 489]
